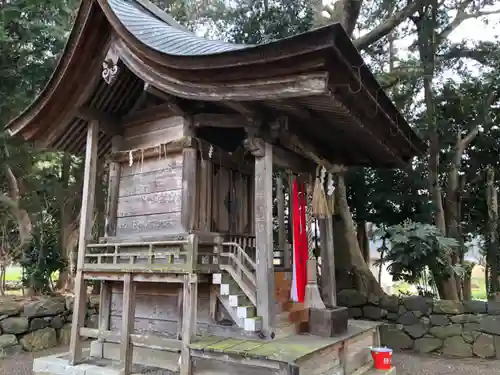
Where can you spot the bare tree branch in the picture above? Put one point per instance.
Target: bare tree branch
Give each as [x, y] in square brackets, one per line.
[388, 25]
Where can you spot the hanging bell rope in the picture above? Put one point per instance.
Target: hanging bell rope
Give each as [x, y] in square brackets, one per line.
[320, 206]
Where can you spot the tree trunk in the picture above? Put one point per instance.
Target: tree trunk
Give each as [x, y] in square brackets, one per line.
[363, 242]
[352, 272]
[491, 236]
[426, 25]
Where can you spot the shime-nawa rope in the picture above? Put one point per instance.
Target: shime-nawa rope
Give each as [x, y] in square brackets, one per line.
[309, 221]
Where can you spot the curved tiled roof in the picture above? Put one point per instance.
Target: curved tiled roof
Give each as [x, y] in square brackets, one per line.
[162, 37]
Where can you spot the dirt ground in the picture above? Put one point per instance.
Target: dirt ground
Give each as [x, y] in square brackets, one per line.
[406, 364]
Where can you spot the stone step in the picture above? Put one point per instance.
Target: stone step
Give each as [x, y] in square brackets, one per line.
[253, 324]
[246, 311]
[236, 300]
[230, 289]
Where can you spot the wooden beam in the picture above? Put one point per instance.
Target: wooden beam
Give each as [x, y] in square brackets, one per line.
[291, 160]
[328, 284]
[172, 101]
[223, 120]
[107, 123]
[85, 231]
[264, 236]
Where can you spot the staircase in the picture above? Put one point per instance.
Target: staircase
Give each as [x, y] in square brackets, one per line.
[237, 294]
[238, 286]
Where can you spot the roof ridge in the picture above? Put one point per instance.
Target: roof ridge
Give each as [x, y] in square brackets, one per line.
[160, 14]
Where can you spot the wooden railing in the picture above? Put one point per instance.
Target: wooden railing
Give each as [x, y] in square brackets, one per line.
[236, 259]
[180, 255]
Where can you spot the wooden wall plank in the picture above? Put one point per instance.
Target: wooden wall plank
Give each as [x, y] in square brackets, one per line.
[151, 182]
[148, 204]
[144, 139]
[139, 128]
[161, 162]
[164, 224]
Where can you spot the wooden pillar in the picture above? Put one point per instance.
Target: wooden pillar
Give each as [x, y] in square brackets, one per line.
[264, 233]
[328, 285]
[281, 222]
[128, 317]
[110, 231]
[205, 197]
[189, 188]
[189, 312]
[85, 231]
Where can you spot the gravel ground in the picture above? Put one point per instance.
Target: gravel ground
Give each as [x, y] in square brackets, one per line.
[406, 364]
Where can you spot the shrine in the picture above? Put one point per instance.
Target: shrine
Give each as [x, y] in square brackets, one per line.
[212, 147]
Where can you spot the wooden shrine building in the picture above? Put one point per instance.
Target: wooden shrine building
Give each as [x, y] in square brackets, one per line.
[192, 129]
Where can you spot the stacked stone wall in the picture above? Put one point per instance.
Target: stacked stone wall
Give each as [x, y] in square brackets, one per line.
[38, 324]
[459, 329]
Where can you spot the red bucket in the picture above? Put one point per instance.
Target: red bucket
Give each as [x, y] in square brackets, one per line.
[382, 358]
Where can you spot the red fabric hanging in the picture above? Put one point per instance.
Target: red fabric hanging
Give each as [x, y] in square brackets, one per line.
[299, 243]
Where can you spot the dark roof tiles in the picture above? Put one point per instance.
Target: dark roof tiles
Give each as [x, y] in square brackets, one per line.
[163, 37]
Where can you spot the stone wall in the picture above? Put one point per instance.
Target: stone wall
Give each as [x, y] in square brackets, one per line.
[38, 324]
[459, 329]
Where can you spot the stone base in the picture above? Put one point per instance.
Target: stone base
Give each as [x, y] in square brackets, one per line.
[328, 322]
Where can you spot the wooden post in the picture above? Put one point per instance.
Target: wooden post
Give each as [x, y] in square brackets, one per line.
[328, 286]
[205, 198]
[189, 166]
[281, 222]
[264, 233]
[189, 312]
[86, 216]
[110, 231]
[128, 317]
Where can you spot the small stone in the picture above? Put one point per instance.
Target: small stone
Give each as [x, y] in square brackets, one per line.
[390, 303]
[493, 308]
[471, 327]
[408, 318]
[416, 303]
[490, 324]
[427, 344]
[439, 320]
[456, 347]
[10, 307]
[373, 312]
[7, 340]
[15, 325]
[475, 307]
[355, 312]
[464, 318]
[373, 299]
[39, 340]
[44, 307]
[10, 351]
[351, 298]
[57, 322]
[416, 330]
[443, 332]
[448, 307]
[38, 323]
[394, 338]
[392, 317]
[418, 314]
[64, 335]
[425, 320]
[484, 346]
